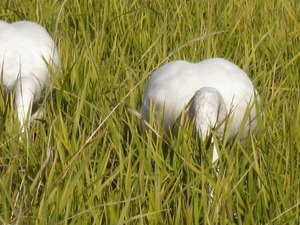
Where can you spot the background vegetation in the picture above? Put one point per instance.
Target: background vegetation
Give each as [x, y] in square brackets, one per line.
[89, 160]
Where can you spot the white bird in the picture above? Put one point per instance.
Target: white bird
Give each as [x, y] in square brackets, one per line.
[215, 94]
[28, 57]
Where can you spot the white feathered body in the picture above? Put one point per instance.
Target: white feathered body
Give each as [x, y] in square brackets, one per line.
[172, 86]
[28, 57]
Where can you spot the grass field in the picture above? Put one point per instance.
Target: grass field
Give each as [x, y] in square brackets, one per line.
[89, 160]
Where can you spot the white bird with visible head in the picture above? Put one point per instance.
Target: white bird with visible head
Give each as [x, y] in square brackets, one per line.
[211, 91]
[28, 57]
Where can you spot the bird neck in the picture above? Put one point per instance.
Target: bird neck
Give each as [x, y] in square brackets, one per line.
[207, 109]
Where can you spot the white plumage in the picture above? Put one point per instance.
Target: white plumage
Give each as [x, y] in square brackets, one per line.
[28, 56]
[214, 92]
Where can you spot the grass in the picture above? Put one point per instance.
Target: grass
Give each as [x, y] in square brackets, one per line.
[89, 160]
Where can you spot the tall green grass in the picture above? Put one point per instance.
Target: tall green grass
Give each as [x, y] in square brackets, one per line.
[90, 160]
